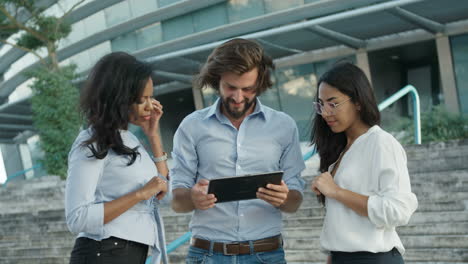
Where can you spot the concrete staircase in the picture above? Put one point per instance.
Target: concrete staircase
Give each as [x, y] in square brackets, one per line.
[32, 227]
[32, 222]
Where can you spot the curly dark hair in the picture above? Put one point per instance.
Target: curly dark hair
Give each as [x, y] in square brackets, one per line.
[352, 81]
[237, 56]
[114, 84]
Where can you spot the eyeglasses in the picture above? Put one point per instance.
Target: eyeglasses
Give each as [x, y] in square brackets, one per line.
[331, 110]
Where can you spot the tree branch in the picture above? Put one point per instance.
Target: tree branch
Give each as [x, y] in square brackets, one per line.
[27, 4]
[60, 20]
[21, 25]
[41, 59]
[70, 10]
[8, 26]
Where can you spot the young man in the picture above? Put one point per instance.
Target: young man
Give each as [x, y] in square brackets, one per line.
[236, 136]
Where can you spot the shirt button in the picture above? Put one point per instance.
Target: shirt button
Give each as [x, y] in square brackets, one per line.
[98, 254]
[116, 243]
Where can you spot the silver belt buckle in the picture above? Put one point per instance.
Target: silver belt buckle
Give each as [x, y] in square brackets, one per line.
[225, 251]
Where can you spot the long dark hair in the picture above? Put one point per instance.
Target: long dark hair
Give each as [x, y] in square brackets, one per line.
[237, 56]
[350, 80]
[114, 84]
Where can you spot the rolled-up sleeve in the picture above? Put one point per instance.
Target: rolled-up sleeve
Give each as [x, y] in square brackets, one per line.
[185, 161]
[394, 203]
[82, 212]
[292, 163]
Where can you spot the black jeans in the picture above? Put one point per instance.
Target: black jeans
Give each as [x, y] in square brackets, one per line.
[390, 257]
[108, 251]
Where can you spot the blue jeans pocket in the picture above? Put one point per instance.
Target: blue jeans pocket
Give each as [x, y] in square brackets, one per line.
[196, 256]
[272, 257]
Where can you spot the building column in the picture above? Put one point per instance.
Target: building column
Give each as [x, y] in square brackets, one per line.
[447, 74]
[197, 98]
[362, 61]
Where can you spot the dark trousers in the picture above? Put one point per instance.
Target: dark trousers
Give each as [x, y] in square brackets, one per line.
[390, 257]
[108, 251]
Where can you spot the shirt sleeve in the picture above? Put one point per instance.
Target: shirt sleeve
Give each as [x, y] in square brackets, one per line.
[394, 203]
[185, 160]
[82, 212]
[292, 163]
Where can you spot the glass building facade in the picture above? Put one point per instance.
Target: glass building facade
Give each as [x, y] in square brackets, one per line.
[149, 28]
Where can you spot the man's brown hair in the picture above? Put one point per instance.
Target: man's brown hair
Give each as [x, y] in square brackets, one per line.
[237, 56]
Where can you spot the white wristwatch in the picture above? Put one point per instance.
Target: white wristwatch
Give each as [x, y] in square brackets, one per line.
[159, 159]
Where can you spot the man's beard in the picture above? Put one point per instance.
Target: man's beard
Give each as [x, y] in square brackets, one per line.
[237, 114]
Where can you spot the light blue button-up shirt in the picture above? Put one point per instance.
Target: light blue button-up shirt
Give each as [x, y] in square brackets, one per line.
[208, 146]
[92, 182]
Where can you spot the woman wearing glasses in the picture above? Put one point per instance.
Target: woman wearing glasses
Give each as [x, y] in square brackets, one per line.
[113, 183]
[364, 181]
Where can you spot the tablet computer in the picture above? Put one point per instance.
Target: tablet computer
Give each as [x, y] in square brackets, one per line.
[242, 187]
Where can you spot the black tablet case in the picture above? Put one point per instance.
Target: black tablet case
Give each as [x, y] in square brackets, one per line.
[242, 187]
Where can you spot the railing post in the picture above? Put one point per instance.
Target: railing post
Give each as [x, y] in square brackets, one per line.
[416, 108]
[416, 115]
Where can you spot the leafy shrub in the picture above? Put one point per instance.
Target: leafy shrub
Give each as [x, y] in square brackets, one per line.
[436, 125]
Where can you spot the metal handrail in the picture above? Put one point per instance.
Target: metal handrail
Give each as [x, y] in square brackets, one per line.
[19, 173]
[416, 108]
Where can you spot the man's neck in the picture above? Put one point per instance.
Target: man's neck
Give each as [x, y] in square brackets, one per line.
[236, 122]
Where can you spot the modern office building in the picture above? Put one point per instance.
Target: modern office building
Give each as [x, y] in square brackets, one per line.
[396, 42]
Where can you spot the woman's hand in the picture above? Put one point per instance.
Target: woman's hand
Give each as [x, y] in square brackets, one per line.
[151, 127]
[156, 186]
[324, 184]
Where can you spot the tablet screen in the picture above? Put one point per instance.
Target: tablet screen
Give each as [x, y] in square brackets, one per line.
[242, 187]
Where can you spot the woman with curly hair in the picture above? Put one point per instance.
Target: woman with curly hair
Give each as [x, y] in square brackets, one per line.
[114, 184]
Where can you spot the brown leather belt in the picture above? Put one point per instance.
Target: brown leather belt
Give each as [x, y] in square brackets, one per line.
[239, 248]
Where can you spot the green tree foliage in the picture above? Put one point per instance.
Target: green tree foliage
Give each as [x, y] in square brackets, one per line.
[55, 115]
[47, 25]
[55, 98]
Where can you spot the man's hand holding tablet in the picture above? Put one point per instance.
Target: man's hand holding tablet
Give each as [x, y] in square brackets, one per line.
[266, 186]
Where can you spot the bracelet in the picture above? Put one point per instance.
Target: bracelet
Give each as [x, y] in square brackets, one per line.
[159, 159]
[162, 178]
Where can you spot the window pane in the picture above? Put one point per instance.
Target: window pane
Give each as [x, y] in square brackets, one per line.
[163, 3]
[98, 51]
[117, 14]
[149, 36]
[271, 96]
[209, 96]
[95, 23]
[280, 5]
[177, 27]
[125, 43]
[141, 7]
[297, 86]
[243, 9]
[210, 17]
[460, 63]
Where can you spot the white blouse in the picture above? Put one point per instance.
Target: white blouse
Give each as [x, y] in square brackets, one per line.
[374, 165]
